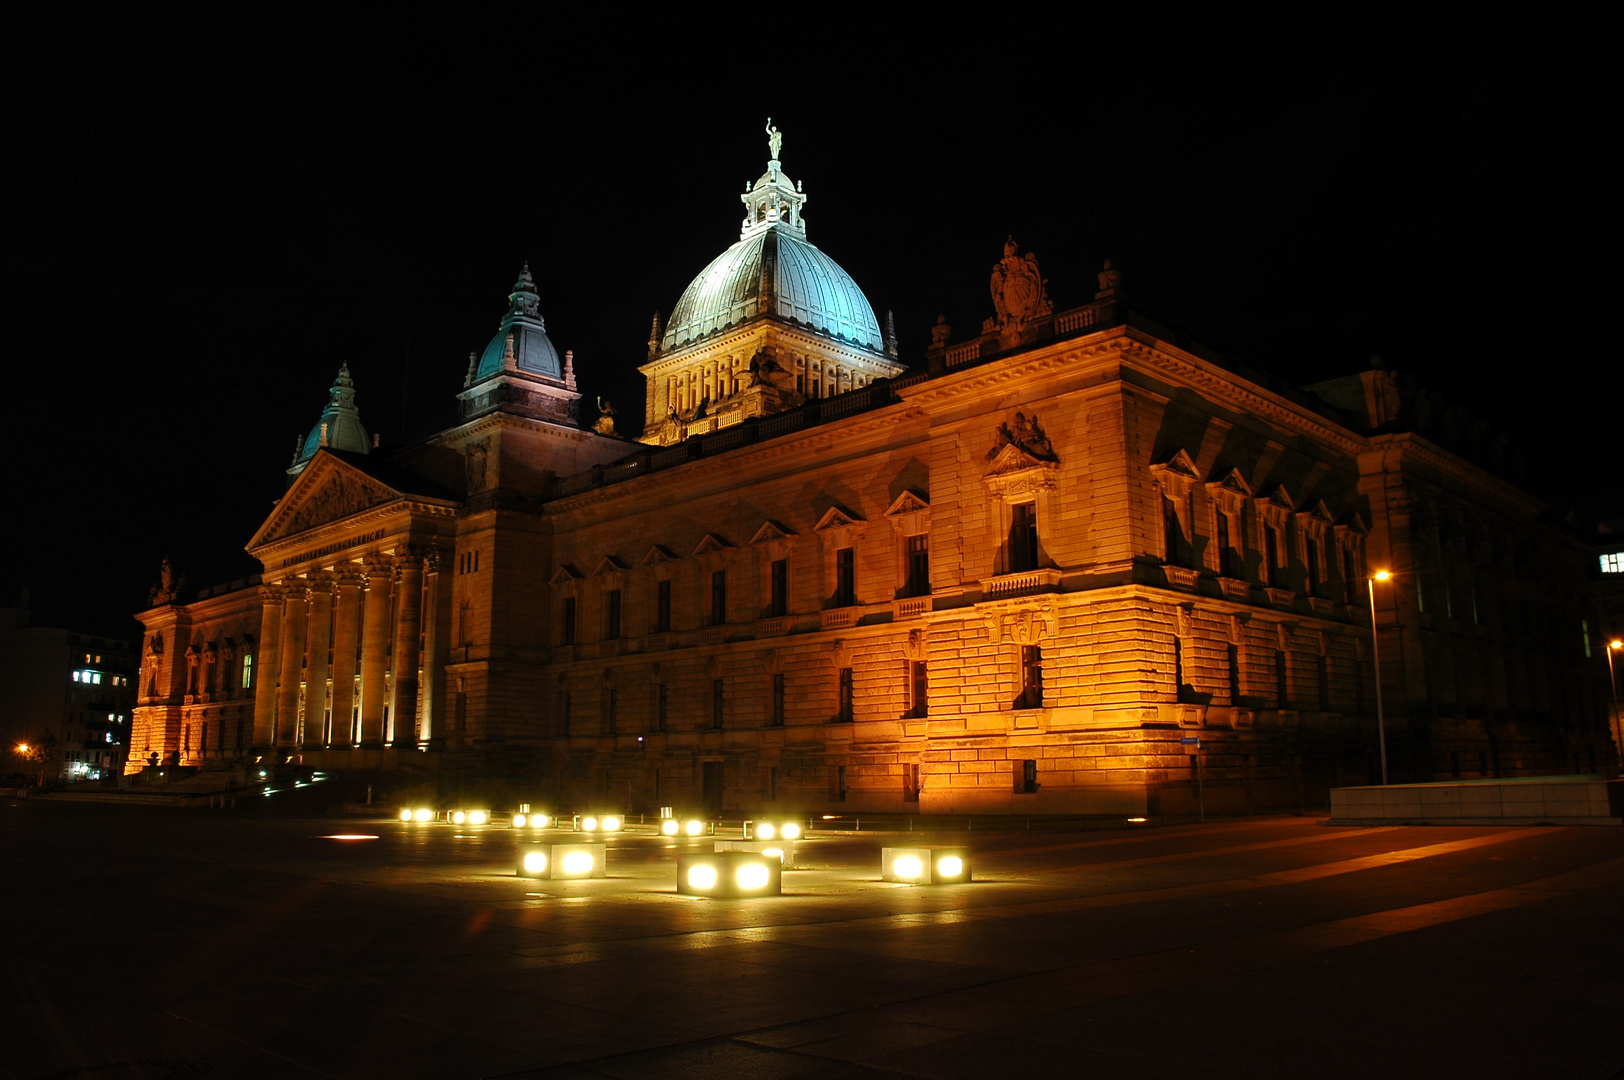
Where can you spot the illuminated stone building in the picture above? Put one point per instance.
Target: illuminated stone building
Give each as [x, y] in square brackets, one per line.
[1021, 576]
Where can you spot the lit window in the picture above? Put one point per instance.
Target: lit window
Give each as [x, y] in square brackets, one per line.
[95, 677]
[247, 672]
[1613, 564]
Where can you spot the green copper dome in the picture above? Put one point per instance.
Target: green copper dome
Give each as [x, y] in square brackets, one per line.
[339, 427]
[773, 271]
[521, 341]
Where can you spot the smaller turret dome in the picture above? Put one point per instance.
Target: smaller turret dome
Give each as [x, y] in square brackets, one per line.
[339, 427]
[521, 342]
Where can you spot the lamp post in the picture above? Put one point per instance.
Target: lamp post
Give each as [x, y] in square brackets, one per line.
[1614, 646]
[1376, 657]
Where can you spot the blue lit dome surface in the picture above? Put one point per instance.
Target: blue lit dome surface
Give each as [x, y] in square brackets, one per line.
[773, 273]
[533, 350]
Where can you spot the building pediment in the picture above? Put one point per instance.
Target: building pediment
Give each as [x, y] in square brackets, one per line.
[770, 531]
[836, 517]
[709, 543]
[608, 565]
[1014, 472]
[327, 490]
[655, 556]
[909, 502]
[1232, 481]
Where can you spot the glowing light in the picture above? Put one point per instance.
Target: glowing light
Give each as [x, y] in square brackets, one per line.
[670, 827]
[764, 831]
[478, 817]
[405, 815]
[694, 828]
[349, 836]
[751, 876]
[775, 852]
[458, 817]
[1138, 820]
[22, 748]
[702, 876]
[589, 824]
[423, 814]
[535, 862]
[1615, 644]
[908, 866]
[578, 862]
[519, 821]
[539, 821]
[611, 824]
[1382, 575]
[950, 866]
[790, 831]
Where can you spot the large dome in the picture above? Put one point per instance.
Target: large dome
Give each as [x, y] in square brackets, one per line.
[773, 272]
[521, 341]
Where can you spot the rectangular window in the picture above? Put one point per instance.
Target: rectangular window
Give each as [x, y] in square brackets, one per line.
[662, 610]
[919, 565]
[612, 616]
[716, 703]
[1023, 537]
[247, 672]
[778, 700]
[780, 587]
[910, 782]
[662, 710]
[1234, 674]
[568, 628]
[1027, 783]
[1349, 575]
[1172, 533]
[611, 709]
[918, 688]
[845, 577]
[1311, 557]
[718, 611]
[1324, 684]
[1613, 563]
[815, 388]
[1226, 547]
[1281, 683]
[840, 783]
[844, 713]
[1271, 554]
[1031, 678]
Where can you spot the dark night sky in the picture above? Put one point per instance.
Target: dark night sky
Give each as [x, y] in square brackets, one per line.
[204, 221]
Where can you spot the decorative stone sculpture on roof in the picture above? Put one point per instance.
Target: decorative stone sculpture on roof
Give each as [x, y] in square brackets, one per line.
[1019, 291]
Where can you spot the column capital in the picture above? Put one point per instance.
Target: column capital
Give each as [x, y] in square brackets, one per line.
[435, 560]
[321, 579]
[378, 566]
[349, 574]
[270, 594]
[295, 589]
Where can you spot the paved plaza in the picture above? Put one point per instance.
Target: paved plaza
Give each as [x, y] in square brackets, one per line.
[146, 942]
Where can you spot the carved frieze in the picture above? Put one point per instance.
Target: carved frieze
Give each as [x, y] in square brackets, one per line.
[338, 494]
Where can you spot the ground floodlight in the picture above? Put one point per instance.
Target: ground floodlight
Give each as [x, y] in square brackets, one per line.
[670, 827]
[765, 831]
[559, 861]
[422, 813]
[519, 821]
[479, 817]
[781, 850]
[790, 831]
[729, 873]
[405, 815]
[459, 817]
[589, 824]
[694, 827]
[539, 821]
[925, 865]
[609, 823]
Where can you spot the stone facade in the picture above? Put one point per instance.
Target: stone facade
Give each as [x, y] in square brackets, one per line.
[1016, 579]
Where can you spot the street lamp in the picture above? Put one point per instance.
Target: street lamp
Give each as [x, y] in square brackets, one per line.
[1612, 682]
[1376, 657]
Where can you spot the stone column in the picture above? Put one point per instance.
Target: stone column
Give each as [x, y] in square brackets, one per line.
[403, 713]
[292, 668]
[346, 636]
[374, 652]
[267, 657]
[432, 693]
[320, 640]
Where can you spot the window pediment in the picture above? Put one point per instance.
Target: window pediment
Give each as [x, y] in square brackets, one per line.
[710, 544]
[770, 531]
[910, 513]
[836, 517]
[1230, 492]
[1015, 473]
[656, 555]
[1277, 507]
[1176, 475]
[608, 566]
[564, 575]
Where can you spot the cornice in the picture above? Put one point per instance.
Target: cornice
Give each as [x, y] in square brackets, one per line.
[821, 437]
[760, 326]
[412, 508]
[1440, 462]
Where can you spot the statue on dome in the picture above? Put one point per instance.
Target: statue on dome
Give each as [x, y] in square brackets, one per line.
[775, 139]
[762, 368]
[605, 424]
